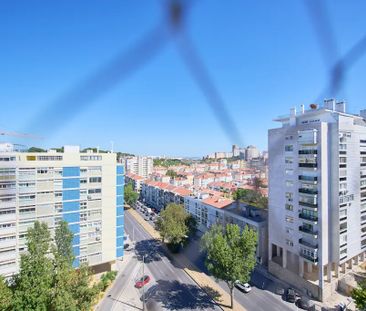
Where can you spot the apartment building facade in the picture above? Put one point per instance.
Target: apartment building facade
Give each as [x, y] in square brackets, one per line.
[209, 210]
[139, 165]
[317, 196]
[84, 189]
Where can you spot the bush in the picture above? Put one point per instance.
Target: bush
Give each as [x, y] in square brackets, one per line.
[106, 279]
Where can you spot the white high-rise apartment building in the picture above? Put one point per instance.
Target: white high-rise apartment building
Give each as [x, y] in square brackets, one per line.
[317, 196]
[84, 189]
[141, 166]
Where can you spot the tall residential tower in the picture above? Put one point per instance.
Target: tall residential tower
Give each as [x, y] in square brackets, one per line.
[317, 196]
[85, 189]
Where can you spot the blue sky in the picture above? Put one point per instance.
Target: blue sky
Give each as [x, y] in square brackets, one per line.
[263, 56]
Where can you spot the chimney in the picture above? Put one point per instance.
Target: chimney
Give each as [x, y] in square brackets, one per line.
[341, 106]
[329, 104]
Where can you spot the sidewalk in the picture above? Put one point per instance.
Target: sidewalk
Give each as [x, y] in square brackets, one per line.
[202, 280]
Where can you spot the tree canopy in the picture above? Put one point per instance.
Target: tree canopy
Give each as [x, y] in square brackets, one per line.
[359, 296]
[175, 224]
[49, 282]
[130, 195]
[251, 197]
[230, 254]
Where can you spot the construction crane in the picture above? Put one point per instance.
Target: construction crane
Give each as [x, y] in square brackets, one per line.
[20, 135]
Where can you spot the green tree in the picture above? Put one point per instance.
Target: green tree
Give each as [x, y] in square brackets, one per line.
[251, 197]
[6, 295]
[359, 296]
[130, 195]
[34, 281]
[172, 224]
[171, 173]
[64, 273]
[191, 224]
[230, 254]
[84, 294]
[257, 183]
[36, 149]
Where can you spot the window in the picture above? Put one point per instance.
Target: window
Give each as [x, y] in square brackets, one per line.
[343, 253]
[342, 147]
[289, 183]
[91, 158]
[343, 227]
[289, 207]
[289, 171]
[342, 213]
[289, 160]
[90, 191]
[289, 219]
[7, 159]
[289, 196]
[95, 179]
[343, 239]
[343, 160]
[289, 148]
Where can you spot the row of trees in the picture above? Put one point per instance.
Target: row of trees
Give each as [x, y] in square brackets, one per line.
[130, 195]
[47, 279]
[230, 251]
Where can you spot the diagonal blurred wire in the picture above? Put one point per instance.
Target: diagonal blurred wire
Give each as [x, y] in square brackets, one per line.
[200, 74]
[83, 95]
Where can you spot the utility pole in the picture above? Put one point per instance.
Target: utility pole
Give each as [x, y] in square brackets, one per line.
[143, 287]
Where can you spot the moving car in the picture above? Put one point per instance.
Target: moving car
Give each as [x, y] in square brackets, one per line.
[246, 288]
[142, 282]
[290, 295]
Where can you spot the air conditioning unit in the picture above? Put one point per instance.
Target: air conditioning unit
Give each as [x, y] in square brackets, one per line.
[97, 238]
[97, 229]
[89, 197]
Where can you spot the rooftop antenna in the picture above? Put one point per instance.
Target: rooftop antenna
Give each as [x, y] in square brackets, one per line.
[112, 145]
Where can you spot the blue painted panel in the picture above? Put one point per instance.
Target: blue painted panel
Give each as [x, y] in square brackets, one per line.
[119, 169]
[71, 217]
[70, 195]
[120, 180]
[71, 206]
[119, 241]
[75, 228]
[120, 221]
[76, 240]
[119, 252]
[76, 263]
[119, 231]
[119, 200]
[71, 171]
[119, 190]
[120, 211]
[71, 183]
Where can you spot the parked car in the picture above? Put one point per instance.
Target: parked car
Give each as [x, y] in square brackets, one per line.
[290, 295]
[246, 288]
[305, 304]
[142, 282]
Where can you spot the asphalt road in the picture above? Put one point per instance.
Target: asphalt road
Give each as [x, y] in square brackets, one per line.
[170, 288]
[261, 298]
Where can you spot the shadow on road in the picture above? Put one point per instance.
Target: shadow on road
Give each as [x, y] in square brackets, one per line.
[150, 249]
[173, 295]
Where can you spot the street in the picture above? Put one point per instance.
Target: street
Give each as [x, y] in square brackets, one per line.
[170, 288]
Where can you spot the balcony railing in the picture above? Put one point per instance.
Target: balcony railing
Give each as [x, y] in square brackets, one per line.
[308, 244]
[308, 231]
[307, 204]
[308, 151]
[309, 258]
[308, 217]
[308, 191]
[308, 178]
[311, 165]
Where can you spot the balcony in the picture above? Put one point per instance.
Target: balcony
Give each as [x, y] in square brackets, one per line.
[308, 244]
[309, 258]
[308, 151]
[307, 204]
[308, 191]
[311, 232]
[308, 217]
[313, 179]
[308, 165]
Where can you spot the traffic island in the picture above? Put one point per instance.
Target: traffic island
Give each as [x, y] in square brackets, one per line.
[220, 296]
